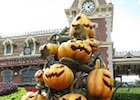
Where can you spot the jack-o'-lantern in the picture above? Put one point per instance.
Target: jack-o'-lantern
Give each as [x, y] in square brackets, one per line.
[82, 19]
[39, 76]
[100, 82]
[33, 96]
[73, 96]
[58, 77]
[77, 50]
[51, 47]
[93, 44]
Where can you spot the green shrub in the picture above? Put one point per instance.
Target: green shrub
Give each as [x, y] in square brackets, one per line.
[14, 96]
[126, 94]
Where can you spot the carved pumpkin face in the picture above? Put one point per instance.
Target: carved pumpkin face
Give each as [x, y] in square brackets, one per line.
[82, 19]
[32, 96]
[58, 76]
[73, 96]
[100, 82]
[93, 44]
[77, 50]
[39, 76]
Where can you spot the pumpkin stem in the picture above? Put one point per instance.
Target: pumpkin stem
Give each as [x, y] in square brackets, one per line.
[97, 64]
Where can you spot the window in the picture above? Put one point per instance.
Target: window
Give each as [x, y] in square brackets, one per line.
[31, 45]
[8, 48]
[28, 76]
[7, 76]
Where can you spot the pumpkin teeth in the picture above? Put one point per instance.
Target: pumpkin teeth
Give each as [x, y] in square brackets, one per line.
[55, 74]
[80, 48]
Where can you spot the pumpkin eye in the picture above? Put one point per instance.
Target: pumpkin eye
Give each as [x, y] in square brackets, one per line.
[31, 96]
[79, 17]
[79, 98]
[64, 99]
[106, 82]
[60, 66]
[40, 76]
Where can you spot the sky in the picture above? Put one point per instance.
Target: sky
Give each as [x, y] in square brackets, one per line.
[20, 16]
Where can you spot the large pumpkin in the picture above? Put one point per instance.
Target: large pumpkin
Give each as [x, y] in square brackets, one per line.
[82, 19]
[100, 82]
[53, 48]
[58, 77]
[93, 44]
[32, 96]
[77, 50]
[73, 96]
[39, 76]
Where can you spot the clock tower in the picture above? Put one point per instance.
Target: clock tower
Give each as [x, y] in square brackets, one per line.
[100, 13]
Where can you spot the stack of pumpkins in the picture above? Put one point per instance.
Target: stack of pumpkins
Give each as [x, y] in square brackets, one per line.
[60, 77]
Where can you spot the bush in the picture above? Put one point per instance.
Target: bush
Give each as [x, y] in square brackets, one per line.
[7, 88]
[14, 96]
[127, 94]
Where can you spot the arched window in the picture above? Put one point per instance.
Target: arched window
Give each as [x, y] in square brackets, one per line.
[8, 48]
[28, 76]
[7, 75]
[31, 45]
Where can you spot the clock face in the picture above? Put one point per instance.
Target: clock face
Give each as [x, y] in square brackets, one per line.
[88, 7]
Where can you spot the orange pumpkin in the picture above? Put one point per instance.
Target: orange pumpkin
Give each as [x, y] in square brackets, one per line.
[73, 96]
[93, 44]
[82, 19]
[53, 48]
[77, 50]
[32, 96]
[100, 82]
[39, 76]
[58, 77]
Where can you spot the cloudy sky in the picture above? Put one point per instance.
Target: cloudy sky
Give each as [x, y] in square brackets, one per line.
[20, 16]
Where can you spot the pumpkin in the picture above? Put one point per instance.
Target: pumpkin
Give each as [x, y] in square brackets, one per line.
[93, 44]
[82, 19]
[73, 96]
[51, 47]
[39, 76]
[77, 50]
[58, 77]
[100, 82]
[32, 96]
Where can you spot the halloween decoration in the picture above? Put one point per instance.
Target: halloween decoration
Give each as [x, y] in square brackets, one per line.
[51, 47]
[93, 44]
[82, 19]
[73, 96]
[39, 76]
[77, 50]
[32, 96]
[58, 77]
[73, 68]
[102, 82]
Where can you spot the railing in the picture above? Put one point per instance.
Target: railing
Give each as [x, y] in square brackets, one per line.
[123, 53]
[33, 32]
